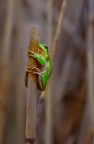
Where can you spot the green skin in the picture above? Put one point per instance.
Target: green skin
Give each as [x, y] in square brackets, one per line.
[46, 64]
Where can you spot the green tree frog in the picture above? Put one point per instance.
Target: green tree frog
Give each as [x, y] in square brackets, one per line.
[46, 64]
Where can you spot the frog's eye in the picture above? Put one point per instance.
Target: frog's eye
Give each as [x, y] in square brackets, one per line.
[46, 47]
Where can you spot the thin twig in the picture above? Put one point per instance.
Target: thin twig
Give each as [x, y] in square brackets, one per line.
[65, 72]
[49, 104]
[59, 27]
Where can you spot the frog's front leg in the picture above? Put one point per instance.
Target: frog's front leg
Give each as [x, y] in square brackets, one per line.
[41, 60]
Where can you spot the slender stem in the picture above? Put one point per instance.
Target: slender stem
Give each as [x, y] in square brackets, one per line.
[32, 92]
[61, 16]
[49, 105]
[59, 27]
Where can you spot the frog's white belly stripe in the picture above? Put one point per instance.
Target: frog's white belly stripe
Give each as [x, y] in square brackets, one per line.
[46, 67]
[40, 82]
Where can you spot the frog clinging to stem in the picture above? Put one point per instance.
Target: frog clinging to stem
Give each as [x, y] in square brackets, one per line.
[44, 60]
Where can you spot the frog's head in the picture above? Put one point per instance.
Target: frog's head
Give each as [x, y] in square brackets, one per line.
[45, 49]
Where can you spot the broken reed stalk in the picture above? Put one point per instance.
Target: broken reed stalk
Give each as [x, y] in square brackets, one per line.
[32, 92]
[90, 63]
[58, 30]
[5, 67]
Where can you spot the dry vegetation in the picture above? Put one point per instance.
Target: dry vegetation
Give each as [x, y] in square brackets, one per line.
[65, 109]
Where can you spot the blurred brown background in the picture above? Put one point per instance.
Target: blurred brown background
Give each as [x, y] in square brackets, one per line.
[71, 85]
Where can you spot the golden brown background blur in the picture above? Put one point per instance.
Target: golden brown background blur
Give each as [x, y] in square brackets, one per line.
[67, 27]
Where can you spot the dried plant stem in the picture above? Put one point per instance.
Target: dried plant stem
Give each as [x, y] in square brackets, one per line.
[49, 104]
[5, 74]
[59, 27]
[32, 92]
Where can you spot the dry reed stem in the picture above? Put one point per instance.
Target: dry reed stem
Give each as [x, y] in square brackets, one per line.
[32, 92]
[49, 100]
[59, 27]
[58, 30]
